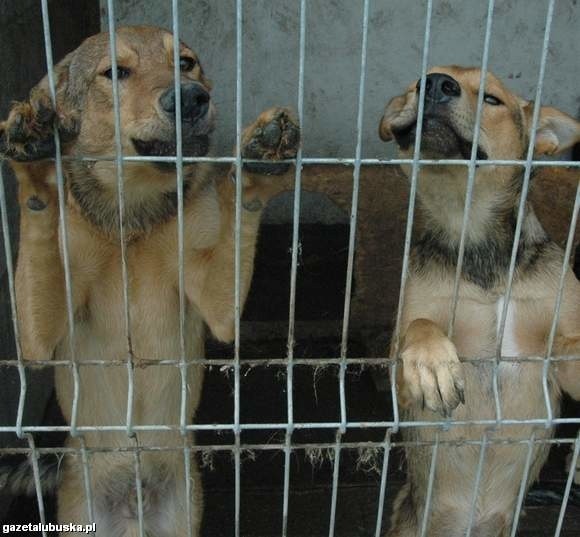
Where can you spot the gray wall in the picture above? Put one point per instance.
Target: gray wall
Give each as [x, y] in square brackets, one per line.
[333, 44]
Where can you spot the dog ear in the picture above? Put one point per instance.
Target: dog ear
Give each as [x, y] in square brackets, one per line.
[392, 111]
[556, 130]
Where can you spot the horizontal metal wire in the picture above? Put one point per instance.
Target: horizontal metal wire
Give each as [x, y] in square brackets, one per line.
[331, 161]
[227, 363]
[386, 424]
[277, 446]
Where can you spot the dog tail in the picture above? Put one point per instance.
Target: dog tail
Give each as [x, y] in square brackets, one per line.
[17, 474]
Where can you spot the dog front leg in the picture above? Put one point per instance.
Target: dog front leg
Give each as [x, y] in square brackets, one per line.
[431, 374]
[39, 280]
[27, 139]
[275, 135]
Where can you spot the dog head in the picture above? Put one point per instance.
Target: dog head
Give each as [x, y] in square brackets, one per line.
[146, 89]
[450, 114]
[147, 107]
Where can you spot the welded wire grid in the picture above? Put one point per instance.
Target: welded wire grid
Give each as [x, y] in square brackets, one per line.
[183, 362]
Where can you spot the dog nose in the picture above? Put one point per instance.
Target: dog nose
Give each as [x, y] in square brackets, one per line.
[194, 101]
[440, 88]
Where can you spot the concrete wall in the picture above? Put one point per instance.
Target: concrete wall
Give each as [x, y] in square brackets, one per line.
[333, 45]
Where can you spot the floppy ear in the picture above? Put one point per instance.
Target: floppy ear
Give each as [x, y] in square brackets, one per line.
[70, 95]
[556, 130]
[392, 112]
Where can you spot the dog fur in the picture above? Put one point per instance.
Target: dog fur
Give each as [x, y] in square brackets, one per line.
[84, 117]
[431, 379]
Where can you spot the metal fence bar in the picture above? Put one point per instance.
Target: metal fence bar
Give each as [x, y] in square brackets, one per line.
[569, 482]
[297, 425]
[478, 475]
[237, 261]
[180, 256]
[413, 191]
[188, 491]
[87, 483]
[121, 202]
[471, 168]
[335, 478]
[63, 227]
[139, 490]
[13, 308]
[396, 335]
[37, 484]
[429, 494]
[559, 296]
[293, 273]
[383, 485]
[211, 448]
[346, 161]
[523, 486]
[522, 205]
[353, 215]
[252, 362]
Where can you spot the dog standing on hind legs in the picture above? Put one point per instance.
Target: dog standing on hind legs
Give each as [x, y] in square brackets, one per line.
[431, 380]
[84, 117]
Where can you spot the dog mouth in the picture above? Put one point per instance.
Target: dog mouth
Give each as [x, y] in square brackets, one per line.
[438, 138]
[192, 146]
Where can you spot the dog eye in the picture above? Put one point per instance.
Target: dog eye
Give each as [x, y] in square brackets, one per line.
[186, 63]
[122, 73]
[491, 99]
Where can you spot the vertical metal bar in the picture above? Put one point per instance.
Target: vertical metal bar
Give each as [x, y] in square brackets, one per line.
[383, 486]
[188, 491]
[471, 168]
[478, 475]
[558, 303]
[63, 228]
[121, 202]
[353, 216]
[87, 482]
[37, 484]
[522, 205]
[569, 481]
[396, 338]
[139, 490]
[13, 306]
[179, 167]
[414, 174]
[523, 486]
[293, 271]
[429, 496]
[335, 477]
[237, 261]
[394, 400]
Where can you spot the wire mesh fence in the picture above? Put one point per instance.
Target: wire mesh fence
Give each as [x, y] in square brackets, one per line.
[343, 361]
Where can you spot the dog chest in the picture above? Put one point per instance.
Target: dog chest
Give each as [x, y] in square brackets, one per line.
[509, 346]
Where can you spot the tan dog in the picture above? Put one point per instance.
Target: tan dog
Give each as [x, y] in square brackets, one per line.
[431, 379]
[84, 116]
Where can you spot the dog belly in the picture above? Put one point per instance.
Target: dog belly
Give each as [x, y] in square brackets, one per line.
[103, 390]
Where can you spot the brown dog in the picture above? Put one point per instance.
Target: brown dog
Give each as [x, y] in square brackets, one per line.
[85, 119]
[431, 379]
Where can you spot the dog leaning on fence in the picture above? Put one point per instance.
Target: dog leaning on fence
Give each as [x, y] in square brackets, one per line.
[84, 116]
[431, 380]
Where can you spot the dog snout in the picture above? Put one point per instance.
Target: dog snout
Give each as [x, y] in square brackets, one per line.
[194, 102]
[440, 88]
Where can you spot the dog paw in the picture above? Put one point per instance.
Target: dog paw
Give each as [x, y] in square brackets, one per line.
[28, 132]
[433, 375]
[275, 135]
